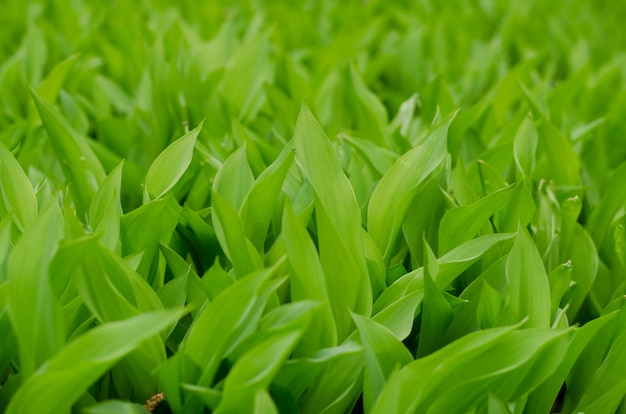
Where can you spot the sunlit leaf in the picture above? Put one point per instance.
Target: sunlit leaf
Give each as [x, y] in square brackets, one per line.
[34, 310]
[19, 197]
[393, 194]
[171, 164]
[80, 165]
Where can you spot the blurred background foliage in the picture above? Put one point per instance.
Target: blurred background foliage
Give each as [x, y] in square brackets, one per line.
[132, 74]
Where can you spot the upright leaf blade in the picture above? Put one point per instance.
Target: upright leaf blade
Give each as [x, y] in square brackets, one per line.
[234, 179]
[80, 165]
[171, 164]
[436, 311]
[258, 206]
[342, 253]
[384, 353]
[393, 194]
[106, 208]
[369, 112]
[35, 313]
[525, 147]
[232, 236]
[528, 286]
[308, 280]
[19, 197]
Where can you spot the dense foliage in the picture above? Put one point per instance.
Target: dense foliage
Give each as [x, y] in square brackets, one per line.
[316, 206]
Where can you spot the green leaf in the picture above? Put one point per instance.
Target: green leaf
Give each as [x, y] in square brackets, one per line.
[608, 386]
[518, 365]
[109, 189]
[458, 376]
[570, 210]
[106, 208]
[436, 310]
[490, 304]
[8, 345]
[461, 187]
[370, 114]
[199, 237]
[50, 87]
[490, 179]
[559, 280]
[223, 321]
[19, 197]
[170, 165]
[451, 265]
[36, 53]
[174, 293]
[384, 353]
[64, 378]
[461, 224]
[216, 280]
[285, 109]
[424, 220]
[612, 200]
[399, 316]
[35, 313]
[70, 255]
[149, 225]
[542, 399]
[375, 265]
[560, 161]
[116, 407]
[78, 162]
[519, 209]
[107, 279]
[339, 226]
[446, 362]
[296, 374]
[258, 206]
[234, 179]
[393, 194]
[195, 293]
[115, 94]
[74, 114]
[347, 286]
[337, 388]
[378, 158]
[172, 376]
[254, 371]
[209, 396]
[525, 147]
[245, 74]
[586, 268]
[6, 247]
[528, 292]
[307, 279]
[232, 236]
